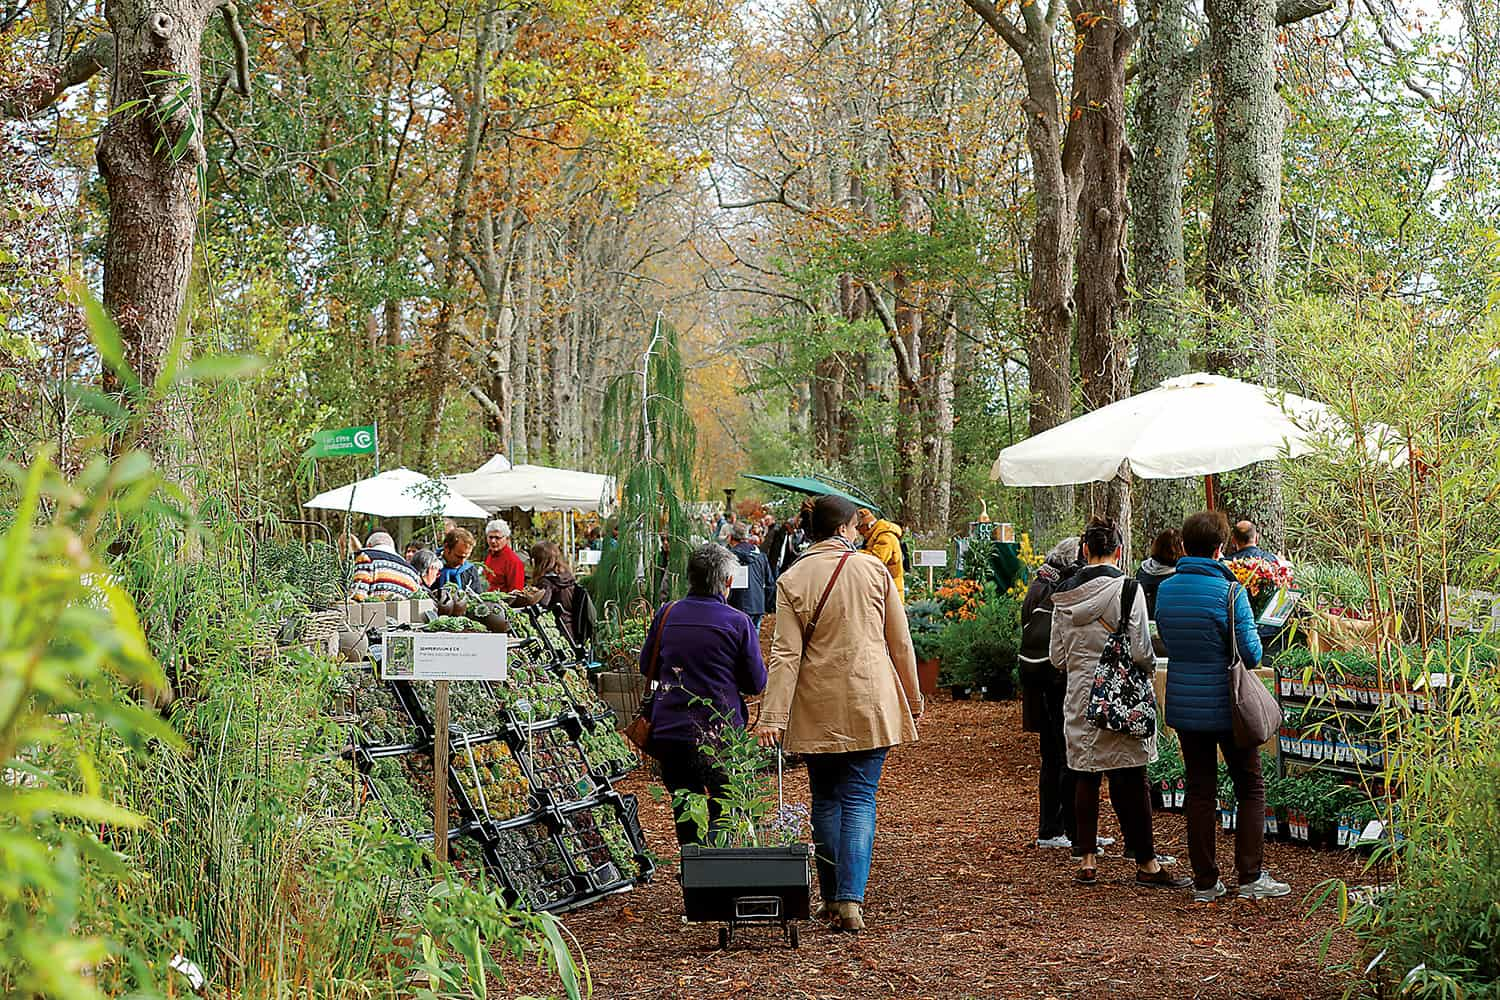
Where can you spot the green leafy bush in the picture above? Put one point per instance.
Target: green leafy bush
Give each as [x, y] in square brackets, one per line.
[982, 651]
[926, 621]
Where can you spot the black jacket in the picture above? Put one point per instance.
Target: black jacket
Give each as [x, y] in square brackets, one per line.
[1036, 620]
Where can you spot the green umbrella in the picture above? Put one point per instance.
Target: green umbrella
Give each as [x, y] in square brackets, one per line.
[813, 487]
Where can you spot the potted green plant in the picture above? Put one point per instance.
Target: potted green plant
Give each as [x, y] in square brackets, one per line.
[926, 622]
[754, 865]
[997, 645]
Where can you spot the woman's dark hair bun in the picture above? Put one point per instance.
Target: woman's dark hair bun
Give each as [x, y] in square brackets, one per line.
[1101, 537]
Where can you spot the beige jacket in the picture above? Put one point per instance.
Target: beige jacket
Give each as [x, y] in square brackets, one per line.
[852, 687]
[1083, 616]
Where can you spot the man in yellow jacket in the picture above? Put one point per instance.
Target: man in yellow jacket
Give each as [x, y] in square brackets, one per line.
[883, 541]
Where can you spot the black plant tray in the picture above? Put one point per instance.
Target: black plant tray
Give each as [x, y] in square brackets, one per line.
[713, 878]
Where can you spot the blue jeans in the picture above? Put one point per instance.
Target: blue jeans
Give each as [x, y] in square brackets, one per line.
[843, 819]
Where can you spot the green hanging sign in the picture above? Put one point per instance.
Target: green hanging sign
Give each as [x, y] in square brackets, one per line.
[347, 441]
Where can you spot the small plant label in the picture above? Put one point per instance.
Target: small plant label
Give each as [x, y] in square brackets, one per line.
[1179, 795]
[936, 558]
[445, 656]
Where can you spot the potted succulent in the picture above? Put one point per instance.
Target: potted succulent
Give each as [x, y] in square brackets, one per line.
[925, 620]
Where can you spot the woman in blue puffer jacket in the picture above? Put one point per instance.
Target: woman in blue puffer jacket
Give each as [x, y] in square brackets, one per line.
[1192, 616]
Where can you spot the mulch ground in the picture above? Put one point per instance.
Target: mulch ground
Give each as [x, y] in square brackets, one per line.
[961, 904]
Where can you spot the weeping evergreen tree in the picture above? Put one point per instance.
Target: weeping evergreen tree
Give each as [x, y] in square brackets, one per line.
[654, 440]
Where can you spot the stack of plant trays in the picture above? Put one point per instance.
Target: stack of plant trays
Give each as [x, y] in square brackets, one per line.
[532, 764]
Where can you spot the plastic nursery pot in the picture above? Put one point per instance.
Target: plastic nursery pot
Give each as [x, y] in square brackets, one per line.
[960, 692]
[713, 878]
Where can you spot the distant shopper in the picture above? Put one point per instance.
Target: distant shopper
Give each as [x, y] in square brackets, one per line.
[503, 569]
[842, 692]
[759, 593]
[554, 586]
[1043, 687]
[1192, 614]
[883, 541]
[782, 545]
[1244, 543]
[457, 570]
[428, 565]
[708, 663]
[380, 574]
[1160, 564]
[726, 525]
[1086, 609]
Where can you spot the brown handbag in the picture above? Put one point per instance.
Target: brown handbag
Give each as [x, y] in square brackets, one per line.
[1253, 709]
[639, 730]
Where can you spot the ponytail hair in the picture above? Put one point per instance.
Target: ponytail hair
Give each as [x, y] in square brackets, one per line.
[1100, 538]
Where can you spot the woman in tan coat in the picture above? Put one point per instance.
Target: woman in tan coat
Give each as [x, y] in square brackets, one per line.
[842, 692]
[1085, 610]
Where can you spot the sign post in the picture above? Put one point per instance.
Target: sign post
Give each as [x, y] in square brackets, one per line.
[443, 657]
[932, 559]
[440, 773]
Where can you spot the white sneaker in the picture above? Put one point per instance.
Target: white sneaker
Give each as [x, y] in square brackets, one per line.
[1166, 860]
[1060, 841]
[1264, 887]
[1209, 895]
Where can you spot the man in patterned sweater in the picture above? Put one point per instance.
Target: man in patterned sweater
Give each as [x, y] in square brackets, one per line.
[382, 575]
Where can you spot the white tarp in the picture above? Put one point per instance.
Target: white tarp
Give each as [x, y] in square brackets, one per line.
[398, 493]
[1192, 425]
[534, 487]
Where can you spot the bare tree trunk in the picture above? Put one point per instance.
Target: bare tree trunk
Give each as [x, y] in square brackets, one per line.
[1246, 223]
[1158, 270]
[520, 353]
[149, 157]
[1099, 96]
[440, 374]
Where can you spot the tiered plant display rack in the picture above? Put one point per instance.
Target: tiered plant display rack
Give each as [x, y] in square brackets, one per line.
[531, 772]
[1331, 705]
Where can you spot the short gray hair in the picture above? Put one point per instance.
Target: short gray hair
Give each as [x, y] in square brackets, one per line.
[709, 569]
[381, 540]
[499, 524]
[423, 560]
[739, 531]
[1064, 554]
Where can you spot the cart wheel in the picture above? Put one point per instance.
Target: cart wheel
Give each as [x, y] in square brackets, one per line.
[723, 938]
[794, 935]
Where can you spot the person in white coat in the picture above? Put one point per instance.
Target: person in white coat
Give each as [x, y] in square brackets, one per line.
[1086, 609]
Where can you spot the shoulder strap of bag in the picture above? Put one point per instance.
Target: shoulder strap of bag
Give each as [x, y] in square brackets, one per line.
[653, 668]
[812, 623]
[1232, 594]
[1127, 604]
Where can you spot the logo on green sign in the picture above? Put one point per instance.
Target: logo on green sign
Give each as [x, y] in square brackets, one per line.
[347, 441]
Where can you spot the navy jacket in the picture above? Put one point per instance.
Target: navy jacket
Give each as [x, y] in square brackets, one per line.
[710, 660]
[760, 595]
[1192, 615]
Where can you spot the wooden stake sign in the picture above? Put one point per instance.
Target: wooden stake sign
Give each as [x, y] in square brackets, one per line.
[443, 657]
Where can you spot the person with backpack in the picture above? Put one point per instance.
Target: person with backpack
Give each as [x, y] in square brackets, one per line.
[883, 541]
[1043, 685]
[760, 590]
[554, 586]
[1098, 611]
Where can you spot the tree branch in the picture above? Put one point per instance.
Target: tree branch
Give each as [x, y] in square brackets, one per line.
[1003, 26]
[231, 15]
[1287, 12]
[42, 90]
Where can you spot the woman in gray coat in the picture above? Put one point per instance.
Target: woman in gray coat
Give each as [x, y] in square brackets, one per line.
[1086, 609]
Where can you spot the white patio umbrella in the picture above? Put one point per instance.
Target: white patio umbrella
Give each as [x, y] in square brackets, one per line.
[1192, 425]
[398, 493]
[534, 487]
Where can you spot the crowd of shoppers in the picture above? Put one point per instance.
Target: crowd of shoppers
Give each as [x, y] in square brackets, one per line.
[1075, 602]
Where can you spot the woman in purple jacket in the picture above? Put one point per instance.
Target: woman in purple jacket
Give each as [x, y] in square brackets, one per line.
[709, 662]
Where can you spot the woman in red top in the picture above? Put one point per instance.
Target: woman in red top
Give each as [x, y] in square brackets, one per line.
[503, 569]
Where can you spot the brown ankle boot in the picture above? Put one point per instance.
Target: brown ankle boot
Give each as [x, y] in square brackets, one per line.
[849, 916]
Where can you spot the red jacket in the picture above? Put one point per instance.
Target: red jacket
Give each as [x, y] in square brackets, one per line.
[504, 570]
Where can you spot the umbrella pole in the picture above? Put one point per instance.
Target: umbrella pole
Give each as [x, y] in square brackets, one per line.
[1211, 492]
